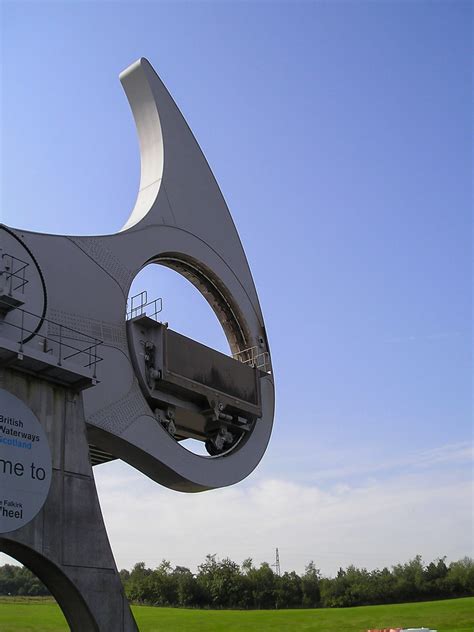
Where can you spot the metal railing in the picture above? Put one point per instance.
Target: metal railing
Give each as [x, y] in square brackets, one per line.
[139, 305]
[14, 270]
[254, 357]
[65, 343]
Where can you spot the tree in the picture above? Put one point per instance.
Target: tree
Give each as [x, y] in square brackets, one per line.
[187, 588]
[137, 588]
[263, 586]
[288, 592]
[124, 575]
[162, 585]
[461, 577]
[221, 581]
[409, 580]
[19, 580]
[310, 586]
[223, 584]
[334, 592]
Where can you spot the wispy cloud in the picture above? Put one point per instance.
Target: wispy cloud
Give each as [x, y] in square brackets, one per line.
[377, 523]
[456, 453]
[427, 337]
[350, 464]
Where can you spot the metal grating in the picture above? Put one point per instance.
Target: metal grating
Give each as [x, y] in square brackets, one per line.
[99, 456]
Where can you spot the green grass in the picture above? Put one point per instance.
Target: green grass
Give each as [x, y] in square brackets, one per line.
[456, 615]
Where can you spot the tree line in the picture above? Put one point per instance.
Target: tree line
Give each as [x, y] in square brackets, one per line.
[226, 584]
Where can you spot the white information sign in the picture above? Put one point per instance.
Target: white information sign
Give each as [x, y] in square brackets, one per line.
[25, 463]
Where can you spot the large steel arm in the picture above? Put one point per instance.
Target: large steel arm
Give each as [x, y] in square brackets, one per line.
[180, 220]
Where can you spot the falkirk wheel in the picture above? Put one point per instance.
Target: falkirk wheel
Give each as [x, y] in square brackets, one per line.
[87, 376]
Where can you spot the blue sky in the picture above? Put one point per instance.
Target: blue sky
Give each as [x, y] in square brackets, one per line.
[340, 135]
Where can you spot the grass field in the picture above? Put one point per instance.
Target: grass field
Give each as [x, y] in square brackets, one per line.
[456, 615]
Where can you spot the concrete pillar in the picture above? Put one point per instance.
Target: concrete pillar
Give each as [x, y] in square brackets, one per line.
[66, 544]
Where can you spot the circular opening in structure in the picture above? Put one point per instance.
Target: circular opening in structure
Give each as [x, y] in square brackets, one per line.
[168, 297]
[184, 383]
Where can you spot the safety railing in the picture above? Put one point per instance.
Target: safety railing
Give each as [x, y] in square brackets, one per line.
[62, 342]
[255, 357]
[139, 305]
[14, 270]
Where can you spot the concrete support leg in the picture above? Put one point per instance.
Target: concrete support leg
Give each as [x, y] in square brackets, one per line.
[66, 544]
